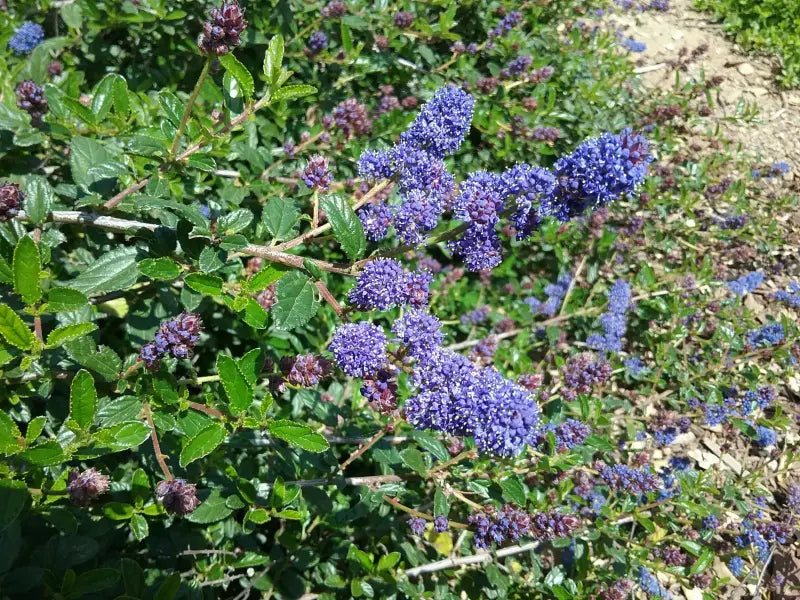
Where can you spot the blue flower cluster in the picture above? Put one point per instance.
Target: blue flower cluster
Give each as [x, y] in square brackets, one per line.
[384, 283]
[746, 283]
[613, 321]
[768, 335]
[790, 297]
[634, 480]
[425, 185]
[569, 434]
[317, 42]
[359, 348]
[508, 523]
[650, 585]
[507, 23]
[419, 332]
[26, 38]
[475, 316]
[736, 566]
[175, 337]
[765, 436]
[634, 45]
[555, 295]
[316, 175]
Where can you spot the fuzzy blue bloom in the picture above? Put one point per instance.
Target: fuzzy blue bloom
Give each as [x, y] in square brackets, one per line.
[634, 480]
[555, 294]
[508, 22]
[476, 316]
[317, 42]
[736, 566]
[479, 247]
[417, 525]
[599, 171]
[633, 45]
[768, 335]
[613, 321]
[746, 283]
[420, 332]
[416, 217]
[379, 286]
[711, 522]
[376, 164]
[359, 348]
[634, 365]
[779, 168]
[442, 123]
[533, 189]
[417, 288]
[440, 524]
[650, 585]
[479, 200]
[766, 436]
[316, 175]
[376, 220]
[570, 433]
[26, 38]
[790, 297]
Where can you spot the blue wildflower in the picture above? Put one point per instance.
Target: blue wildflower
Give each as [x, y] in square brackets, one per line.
[650, 585]
[442, 123]
[765, 436]
[26, 38]
[736, 566]
[376, 220]
[317, 42]
[420, 332]
[746, 283]
[613, 321]
[359, 348]
[768, 335]
[380, 285]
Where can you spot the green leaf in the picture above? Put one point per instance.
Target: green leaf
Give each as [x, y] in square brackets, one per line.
[114, 270]
[77, 108]
[83, 399]
[35, 428]
[122, 105]
[13, 495]
[280, 218]
[251, 365]
[14, 330]
[130, 434]
[264, 278]
[139, 527]
[204, 283]
[172, 106]
[431, 444]
[255, 315]
[26, 266]
[273, 59]
[239, 72]
[290, 92]
[103, 97]
[44, 455]
[85, 153]
[413, 459]
[236, 386]
[203, 162]
[67, 333]
[513, 491]
[203, 443]
[703, 562]
[298, 435]
[159, 268]
[65, 299]
[91, 582]
[9, 434]
[346, 225]
[347, 38]
[211, 259]
[101, 360]
[235, 221]
[170, 587]
[118, 511]
[388, 561]
[6, 276]
[296, 301]
[213, 509]
[38, 199]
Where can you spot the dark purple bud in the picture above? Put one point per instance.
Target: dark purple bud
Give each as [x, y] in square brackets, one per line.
[30, 98]
[305, 370]
[440, 524]
[177, 496]
[10, 200]
[86, 485]
[417, 525]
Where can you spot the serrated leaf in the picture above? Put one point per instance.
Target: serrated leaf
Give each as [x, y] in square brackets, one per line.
[254, 314]
[211, 259]
[273, 59]
[129, 435]
[172, 106]
[77, 108]
[65, 299]
[280, 217]
[251, 365]
[139, 527]
[35, 428]
[289, 92]
[102, 360]
[103, 97]
[296, 301]
[38, 199]
[204, 283]
[85, 153]
[114, 270]
[703, 562]
[122, 105]
[159, 268]
[83, 399]
[347, 227]
[239, 72]
[213, 509]
[14, 330]
[203, 443]
[235, 221]
[235, 384]
[26, 265]
[44, 455]
[118, 511]
[513, 491]
[298, 435]
[264, 278]
[13, 495]
[203, 162]
[388, 561]
[414, 460]
[67, 333]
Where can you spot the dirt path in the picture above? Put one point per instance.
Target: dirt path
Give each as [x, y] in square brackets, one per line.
[774, 135]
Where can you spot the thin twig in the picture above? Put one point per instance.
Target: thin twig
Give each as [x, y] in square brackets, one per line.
[156, 446]
[329, 298]
[206, 409]
[472, 559]
[187, 112]
[364, 447]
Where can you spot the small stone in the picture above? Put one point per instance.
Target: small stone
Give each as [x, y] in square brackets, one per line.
[759, 91]
[746, 69]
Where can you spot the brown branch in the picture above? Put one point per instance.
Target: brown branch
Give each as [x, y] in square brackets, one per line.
[206, 409]
[156, 446]
[328, 297]
[366, 446]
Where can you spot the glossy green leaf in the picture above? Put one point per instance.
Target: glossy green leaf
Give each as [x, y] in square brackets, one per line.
[298, 435]
[234, 221]
[44, 455]
[39, 198]
[297, 302]
[65, 299]
[239, 72]
[139, 527]
[14, 330]
[273, 59]
[204, 283]
[290, 92]
[101, 360]
[111, 271]
[67, 333]
[83, 399]
[26, 266]
[159, 268]
[203, 443]
[236, 386]
[413, 459]
[13, 495]
[280, 217]
[346, 225]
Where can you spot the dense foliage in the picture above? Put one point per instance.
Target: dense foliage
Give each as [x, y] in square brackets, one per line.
[766, 25]
[382, 299]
